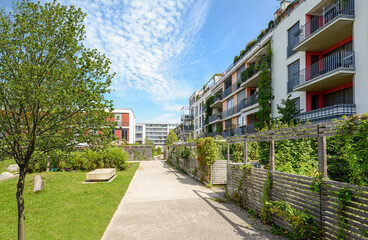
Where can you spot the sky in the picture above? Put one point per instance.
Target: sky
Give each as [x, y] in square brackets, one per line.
[164, 50]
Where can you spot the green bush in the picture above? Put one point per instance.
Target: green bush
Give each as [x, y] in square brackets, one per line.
[84, 160]
[159, 150]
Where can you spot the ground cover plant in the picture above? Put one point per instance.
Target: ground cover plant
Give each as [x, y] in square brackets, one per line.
[66, 208]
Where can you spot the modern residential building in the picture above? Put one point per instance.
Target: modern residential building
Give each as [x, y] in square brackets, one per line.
[125, 128]
[318, 52]
[140, 133]
[157, 132]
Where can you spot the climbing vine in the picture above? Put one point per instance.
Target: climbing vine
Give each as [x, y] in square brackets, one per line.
[265, 92]
[208, 111]
[266, 213]
[344, 195]
[206, 155]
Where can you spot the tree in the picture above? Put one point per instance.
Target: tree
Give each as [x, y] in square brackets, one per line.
[288, 110]
[51, 87]
[148, 142]
[171, 137]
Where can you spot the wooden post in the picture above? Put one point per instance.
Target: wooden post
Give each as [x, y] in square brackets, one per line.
[228, 153]
[48, 163]
[245, 153]
[322, 157]
[272, 155]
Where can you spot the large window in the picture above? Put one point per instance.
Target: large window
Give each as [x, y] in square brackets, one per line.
[293, 39]
[342, 96]
[227, 83]
[124, 134]
[230, 103]
[293, 76]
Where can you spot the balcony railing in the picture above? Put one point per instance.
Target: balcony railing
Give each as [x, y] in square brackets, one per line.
[230, 90]
[186, 128]
[122, 124]
[341, 60]
[214, 118]
[341, 8]
[327, 113]
[187, 117]
[249, 101]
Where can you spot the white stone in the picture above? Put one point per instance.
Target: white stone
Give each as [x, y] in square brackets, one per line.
[38, 183]
[6, 175]
[13, 168]
[101, 174]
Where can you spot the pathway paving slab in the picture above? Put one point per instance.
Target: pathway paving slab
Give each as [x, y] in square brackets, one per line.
[162, 203]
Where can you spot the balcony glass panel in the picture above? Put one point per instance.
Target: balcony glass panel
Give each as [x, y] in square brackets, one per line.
[327, 113]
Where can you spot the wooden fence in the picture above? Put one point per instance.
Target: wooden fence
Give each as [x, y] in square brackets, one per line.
[218, 169]
[295, 190]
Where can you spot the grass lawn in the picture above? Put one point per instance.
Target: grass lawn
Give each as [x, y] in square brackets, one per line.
[66, 208]
[5, 164]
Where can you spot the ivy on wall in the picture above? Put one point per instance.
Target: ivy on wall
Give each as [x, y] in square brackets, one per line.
[265, 92]
[208, 111]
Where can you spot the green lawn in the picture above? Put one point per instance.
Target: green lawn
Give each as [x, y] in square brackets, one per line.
[66, 208]
[5, 164]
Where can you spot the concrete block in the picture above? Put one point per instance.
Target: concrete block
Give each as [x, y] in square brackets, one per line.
[102, 174]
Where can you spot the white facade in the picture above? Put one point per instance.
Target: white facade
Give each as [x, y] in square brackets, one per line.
[155, 132]
[125, 128]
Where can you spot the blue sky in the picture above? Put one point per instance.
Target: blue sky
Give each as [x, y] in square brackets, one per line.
[163, 50]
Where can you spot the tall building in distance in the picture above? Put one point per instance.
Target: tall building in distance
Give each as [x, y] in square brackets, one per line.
[155, 132]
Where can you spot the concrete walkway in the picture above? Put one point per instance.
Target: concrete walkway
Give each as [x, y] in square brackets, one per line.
[162, 203]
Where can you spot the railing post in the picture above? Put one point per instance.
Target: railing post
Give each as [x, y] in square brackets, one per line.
[272, 155]
[322, 155]
[245, 153]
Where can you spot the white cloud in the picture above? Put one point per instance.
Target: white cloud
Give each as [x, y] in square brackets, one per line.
[144, 39]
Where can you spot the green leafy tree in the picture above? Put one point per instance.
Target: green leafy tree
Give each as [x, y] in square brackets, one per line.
[288, 110]
[52, 88]
[171, 137]
[148, 142]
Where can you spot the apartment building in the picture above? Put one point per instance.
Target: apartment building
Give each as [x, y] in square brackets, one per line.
[318, 51]
[157, 132]
[125, 128]
[140, 133]
[319, 59]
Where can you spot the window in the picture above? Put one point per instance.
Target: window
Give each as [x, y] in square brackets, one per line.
[230, 103]
[342, 96]
[293, 75]
[297, 103]
[293, 39]
[227, 83]
[124, 134]
[238, 74]
[138, 135]
[228, 124]
[118, 117]
[139, 128]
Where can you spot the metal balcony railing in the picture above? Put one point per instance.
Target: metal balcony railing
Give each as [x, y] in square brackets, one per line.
[341, 60]
[187, 117]
[249, 101]
[229, 112]
[327, 113]
[230, 90]
[214, 118]
[340, 8]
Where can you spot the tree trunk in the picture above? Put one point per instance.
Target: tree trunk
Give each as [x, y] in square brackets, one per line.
[48, 162]
[20, 201]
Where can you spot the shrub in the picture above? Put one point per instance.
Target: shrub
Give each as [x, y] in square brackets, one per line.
[159, 150]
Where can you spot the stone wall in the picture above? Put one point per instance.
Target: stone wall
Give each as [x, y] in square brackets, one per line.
[139, 152]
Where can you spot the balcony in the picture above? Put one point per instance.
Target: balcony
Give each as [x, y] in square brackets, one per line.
[228, 91]
[122, 124]
[253, 79]
[214, 118]
[217, 103]
[187, 117]
[249, 101]
[229, 112]
[327, 113]
[186, 128]
[333, 71]
[331, 25]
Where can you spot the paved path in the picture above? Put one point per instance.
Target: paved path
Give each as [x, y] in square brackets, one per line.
[162, 203]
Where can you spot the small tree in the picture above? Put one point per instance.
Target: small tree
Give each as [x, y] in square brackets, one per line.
[171, 137]
[288, 110]
[51, 87]
[148, 142]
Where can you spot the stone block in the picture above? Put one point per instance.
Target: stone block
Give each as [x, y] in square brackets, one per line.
[102, 174]
[38, 184]
[13, 168]
[6, 175]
